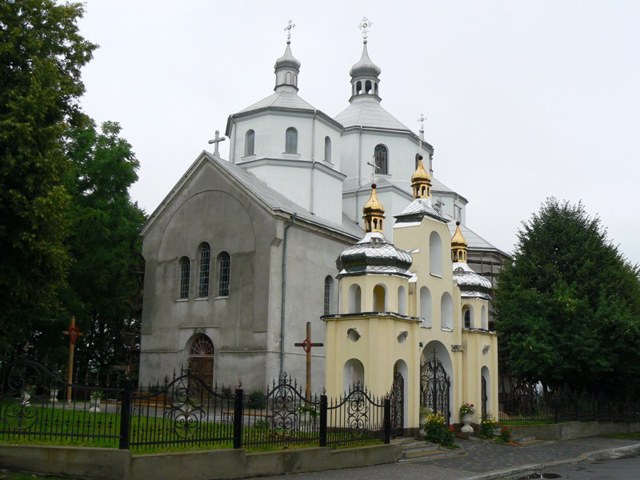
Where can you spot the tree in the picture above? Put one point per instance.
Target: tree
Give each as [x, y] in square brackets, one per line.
[569, 306]
[41, 54]
[105, 277]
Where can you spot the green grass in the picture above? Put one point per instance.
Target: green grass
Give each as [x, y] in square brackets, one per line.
[626, 436]
[525, 422]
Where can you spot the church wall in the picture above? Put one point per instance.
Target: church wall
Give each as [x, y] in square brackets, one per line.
[310, 259]
[207, 208]
[358, 149]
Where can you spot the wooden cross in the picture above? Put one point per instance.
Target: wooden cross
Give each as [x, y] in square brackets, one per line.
[307, 344]
[73, 332]
[217, 139]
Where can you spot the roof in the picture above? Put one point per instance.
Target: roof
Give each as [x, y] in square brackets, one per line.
[418, 208]
[281, 99]
[267, 195]
[474, 241]
[369, 113]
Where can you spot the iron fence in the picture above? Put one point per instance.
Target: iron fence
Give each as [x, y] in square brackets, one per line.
[185, 412]
[564, 405]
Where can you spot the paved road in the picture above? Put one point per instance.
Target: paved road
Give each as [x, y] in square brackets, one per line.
[484, 460]
[614, 467]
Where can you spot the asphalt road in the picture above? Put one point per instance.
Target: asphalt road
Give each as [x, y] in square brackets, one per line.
[613, 468]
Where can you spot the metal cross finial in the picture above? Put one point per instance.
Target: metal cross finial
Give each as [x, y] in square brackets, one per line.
[421, 120]
[364, 26]
[374, 169]
[290, 25]
[217, 141]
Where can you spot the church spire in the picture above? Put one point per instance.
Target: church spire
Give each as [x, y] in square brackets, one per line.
[373, 213]
[421, 180]
[364, 73]
[458, 246]
[287, 67]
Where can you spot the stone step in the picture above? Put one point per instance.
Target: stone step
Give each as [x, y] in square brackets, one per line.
[421, 449]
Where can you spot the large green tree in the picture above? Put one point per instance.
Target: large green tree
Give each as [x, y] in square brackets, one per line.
[569, 306]
[105, 275]
[41, 54]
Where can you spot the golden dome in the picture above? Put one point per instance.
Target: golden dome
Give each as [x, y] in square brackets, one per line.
[373, 212]
[458, 246]
[421, 180]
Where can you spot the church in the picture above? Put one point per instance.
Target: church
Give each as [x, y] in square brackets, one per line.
[241, 253]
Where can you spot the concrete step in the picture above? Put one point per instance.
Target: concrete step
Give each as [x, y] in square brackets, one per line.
[412, 448]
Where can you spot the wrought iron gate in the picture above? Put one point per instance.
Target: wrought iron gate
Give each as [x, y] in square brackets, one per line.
[485, 397]
[397, 403]
[434, 387]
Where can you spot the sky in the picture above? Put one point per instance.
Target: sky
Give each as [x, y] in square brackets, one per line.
[524, 100]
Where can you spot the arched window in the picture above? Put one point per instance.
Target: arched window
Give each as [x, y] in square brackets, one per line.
[425, 306]
[381, 157]
[327, 149]
[205, 262]
[402, 301]
[291, 141]
[250, 143]
[435, 254]
[379, 298]
[355, 299]
[367, 86]
[485, 391]
[358, 87]
[328, 294]
[185, 267]
[446, 311]
[466, 315]
[224, 272]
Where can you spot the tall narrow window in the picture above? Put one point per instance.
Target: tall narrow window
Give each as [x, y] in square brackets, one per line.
[435, 254]
[381, 156]
[185, 265]
[250, 143]
[224, 273]
[327, 149]
[205, 262]
[291, 141]
[328, 293]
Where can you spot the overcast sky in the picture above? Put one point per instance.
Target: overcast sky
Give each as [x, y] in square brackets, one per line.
[524, 99]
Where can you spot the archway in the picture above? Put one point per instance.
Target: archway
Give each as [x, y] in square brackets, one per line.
[200, 361]
[485, 392]
[436, 379]
[398, 397]
[352, 374]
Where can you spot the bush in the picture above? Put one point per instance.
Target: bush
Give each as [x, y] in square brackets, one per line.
[487, 426]
[437, 431]
[257, 400]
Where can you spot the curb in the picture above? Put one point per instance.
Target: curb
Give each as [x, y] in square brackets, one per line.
[508, 474]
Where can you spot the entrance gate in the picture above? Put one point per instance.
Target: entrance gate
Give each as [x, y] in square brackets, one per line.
[397, 403]
[201, 359]
[434, 387]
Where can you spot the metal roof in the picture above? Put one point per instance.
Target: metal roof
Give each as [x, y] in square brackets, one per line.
[281, 99]
[369, 113]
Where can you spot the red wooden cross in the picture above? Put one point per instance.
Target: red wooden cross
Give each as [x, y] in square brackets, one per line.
[307, 344]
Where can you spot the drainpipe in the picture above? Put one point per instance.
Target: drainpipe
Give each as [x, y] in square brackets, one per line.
[360, 185]
[284, 289]
[313, 159]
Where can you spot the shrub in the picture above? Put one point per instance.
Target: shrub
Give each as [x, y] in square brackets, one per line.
[487, 426]
[257, 400]
[437, 431]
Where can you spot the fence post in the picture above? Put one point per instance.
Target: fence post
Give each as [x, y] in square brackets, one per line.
[125, 414]
[387, 420]
[237, 419]
[323, 420]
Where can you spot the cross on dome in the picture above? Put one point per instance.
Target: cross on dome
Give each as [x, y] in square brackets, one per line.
[364, 26]
[288, 28]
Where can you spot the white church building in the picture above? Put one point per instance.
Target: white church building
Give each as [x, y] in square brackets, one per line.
[242, 252]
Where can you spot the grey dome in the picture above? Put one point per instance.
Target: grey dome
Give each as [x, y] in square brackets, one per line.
[287, 60]
[365, 67]
[471, 284]
[374, 254]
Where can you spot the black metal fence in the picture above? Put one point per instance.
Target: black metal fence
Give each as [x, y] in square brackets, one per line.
[185, 412]
[563, 405]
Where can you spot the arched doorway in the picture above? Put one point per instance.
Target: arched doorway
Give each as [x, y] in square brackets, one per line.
[200, 362]
[397, 397]
[436, 379]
